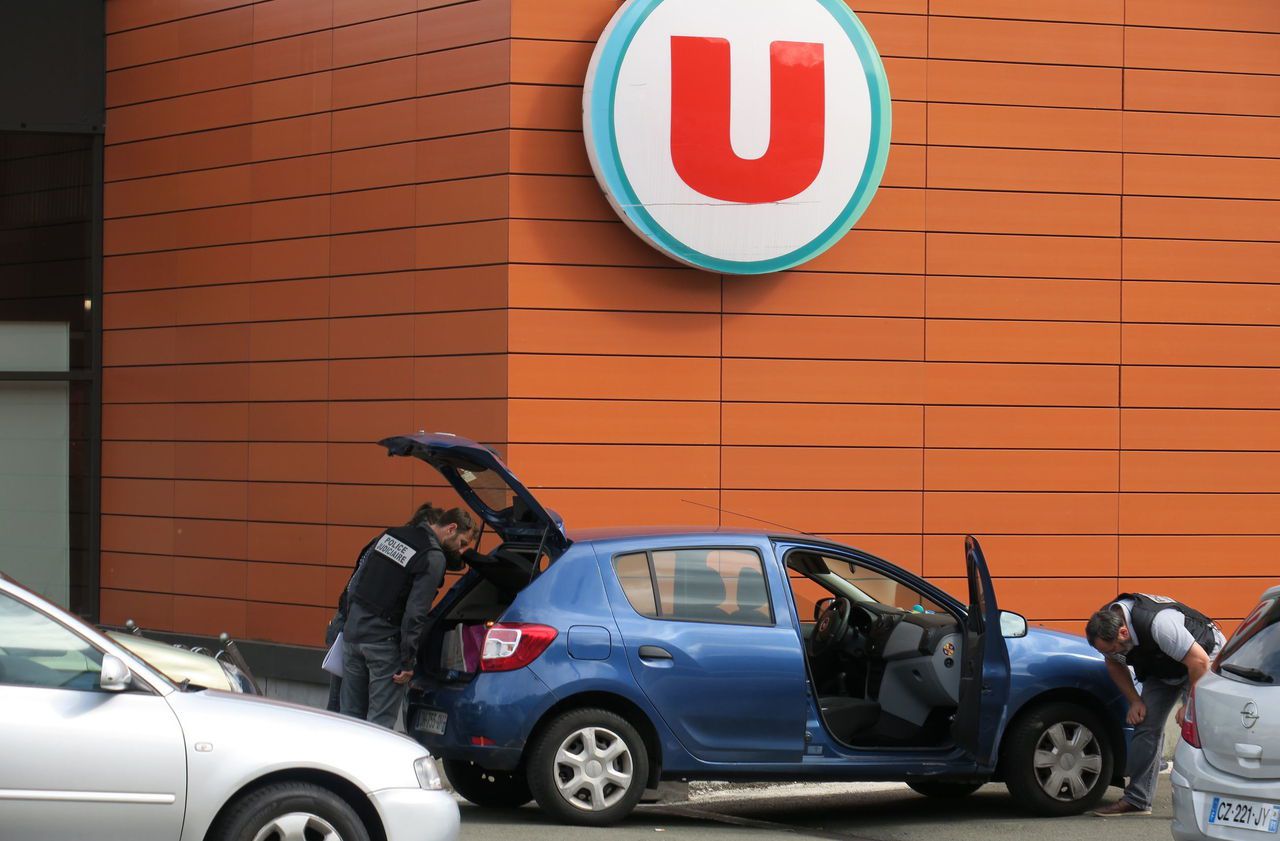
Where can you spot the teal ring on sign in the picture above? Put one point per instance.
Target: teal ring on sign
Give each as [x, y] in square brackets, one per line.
[609, 167]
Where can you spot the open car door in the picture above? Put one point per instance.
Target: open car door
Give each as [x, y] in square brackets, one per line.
[984, 670]
[487, 486]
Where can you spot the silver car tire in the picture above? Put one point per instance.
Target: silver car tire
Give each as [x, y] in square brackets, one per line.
[588, 767]
[289, 811]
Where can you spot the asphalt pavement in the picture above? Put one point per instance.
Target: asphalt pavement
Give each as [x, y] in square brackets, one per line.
[840, 812]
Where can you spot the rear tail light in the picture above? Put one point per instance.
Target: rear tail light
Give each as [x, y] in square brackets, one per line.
[1191, 733]
[514, 645]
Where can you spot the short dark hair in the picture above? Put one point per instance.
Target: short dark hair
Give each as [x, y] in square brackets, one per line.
[459, 517]
[426, 515]
[1104, 625]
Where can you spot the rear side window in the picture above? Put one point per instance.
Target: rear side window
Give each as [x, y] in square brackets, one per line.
[700, 585]
[1253, 652]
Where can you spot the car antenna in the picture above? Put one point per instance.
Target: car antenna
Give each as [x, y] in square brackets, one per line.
[748, 516]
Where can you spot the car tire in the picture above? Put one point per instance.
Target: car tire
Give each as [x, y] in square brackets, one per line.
[588, 767]
[296, 810]
[943, 789]
[1062, 747]
[490, 789]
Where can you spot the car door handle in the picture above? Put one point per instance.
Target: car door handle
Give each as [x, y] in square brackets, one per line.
[653, 652]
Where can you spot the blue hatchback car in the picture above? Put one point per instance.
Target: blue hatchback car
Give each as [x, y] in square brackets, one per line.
[580, 668]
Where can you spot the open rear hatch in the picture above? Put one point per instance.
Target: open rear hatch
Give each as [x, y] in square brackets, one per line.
[531, 537]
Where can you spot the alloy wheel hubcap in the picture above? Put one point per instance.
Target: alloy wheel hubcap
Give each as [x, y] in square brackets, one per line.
[298, 826]
[1068, 761]
[593, 769]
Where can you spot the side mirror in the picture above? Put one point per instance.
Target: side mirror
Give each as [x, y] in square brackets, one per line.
[115, 675]
[821, 605]
[1012, 625]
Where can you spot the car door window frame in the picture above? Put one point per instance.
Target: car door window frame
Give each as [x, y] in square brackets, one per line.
[657, 596]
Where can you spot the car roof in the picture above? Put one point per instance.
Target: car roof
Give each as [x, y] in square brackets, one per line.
[726, 533]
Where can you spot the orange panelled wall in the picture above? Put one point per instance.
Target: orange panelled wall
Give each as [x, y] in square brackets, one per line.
[304, 252]
[1057, 326]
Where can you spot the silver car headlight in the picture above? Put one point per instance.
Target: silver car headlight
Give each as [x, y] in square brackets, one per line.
[428, 774]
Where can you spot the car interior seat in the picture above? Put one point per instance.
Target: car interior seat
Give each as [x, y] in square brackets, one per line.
[753, 598]
[700, 591]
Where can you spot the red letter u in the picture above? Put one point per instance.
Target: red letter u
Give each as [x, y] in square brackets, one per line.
[700, 144]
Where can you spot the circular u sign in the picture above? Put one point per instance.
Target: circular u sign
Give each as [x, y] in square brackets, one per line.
[737, 136]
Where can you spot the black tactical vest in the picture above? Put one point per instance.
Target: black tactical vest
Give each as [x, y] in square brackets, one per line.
[388, 567]
[1146, 658]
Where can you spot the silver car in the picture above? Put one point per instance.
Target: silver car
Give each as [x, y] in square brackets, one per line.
[94, 743]
[1226, 771]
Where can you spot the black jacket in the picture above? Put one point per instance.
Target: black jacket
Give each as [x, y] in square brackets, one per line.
[393, 588]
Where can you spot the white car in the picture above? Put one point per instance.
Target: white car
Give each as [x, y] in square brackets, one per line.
[94, 743]
[1226, 771]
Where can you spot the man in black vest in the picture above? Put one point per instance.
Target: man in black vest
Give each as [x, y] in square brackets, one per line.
[395, 583]
[1168, 645]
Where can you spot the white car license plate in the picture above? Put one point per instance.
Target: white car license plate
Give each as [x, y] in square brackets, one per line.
[432, 722]
[1245, 814]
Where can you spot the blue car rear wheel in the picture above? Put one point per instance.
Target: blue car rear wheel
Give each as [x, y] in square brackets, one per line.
[588, 767]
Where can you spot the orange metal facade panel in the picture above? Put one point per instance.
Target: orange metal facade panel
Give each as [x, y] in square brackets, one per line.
[614, 378]
[1202, 93]
[1033, 299]
[1022, 341]
[1179, 344]
[1195, 218]
[1201, 388]
[1202, 177]
[586, 465]
[613, 422]
[1020, 513]
[370, 337]
[1023, 169]
[994, 83]
[812, 293]
[394, 36]
[1201, 429]
[217, 500]
[1083, 11]
[383, 81]
[977, 39]
[819, 337]
[823, 381]
[1241, 472]
[1020, 470]
[1231, 262]
[206, 33]
[138, 497]
[1197, 49]
[1184, 555]
[989, 255]
[209, 577]
[1026, 427]
[650, 334]
[1024, 556]
[1020, 384]
[294, 421]
[579, 287]
[1246, 15]
[821, 425]
[885, 512]
[1076, 129]
[1200, 134]
[961, 211]
[821, 468]
[1197, 513]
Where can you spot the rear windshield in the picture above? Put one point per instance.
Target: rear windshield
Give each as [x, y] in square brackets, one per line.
[1254, 650]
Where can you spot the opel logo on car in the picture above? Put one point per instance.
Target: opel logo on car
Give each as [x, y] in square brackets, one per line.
[1249, 715]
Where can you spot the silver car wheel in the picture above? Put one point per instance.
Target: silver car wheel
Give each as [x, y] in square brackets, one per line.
[593, 769]
[298, 826]
[1068, 760]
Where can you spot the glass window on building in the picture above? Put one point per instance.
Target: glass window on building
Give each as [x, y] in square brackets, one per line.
[48, 357]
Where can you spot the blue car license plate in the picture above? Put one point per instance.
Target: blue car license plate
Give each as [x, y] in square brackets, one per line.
[1244, 814]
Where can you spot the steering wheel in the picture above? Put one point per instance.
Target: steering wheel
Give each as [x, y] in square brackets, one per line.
[832, 625]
